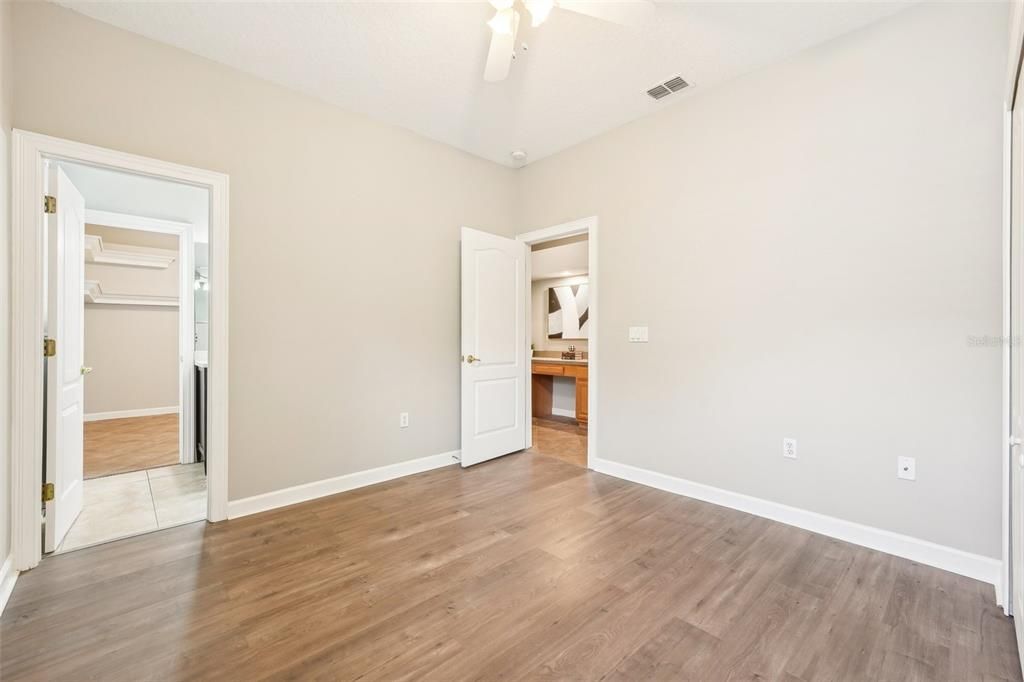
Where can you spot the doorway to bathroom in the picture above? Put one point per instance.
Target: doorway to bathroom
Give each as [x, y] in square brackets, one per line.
[562, 326]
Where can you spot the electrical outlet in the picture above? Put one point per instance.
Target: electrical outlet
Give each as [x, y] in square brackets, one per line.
[403, 420]
[906, 467]
[789, 448]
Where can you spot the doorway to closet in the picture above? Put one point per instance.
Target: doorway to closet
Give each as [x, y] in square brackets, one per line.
[54, 198]
[123, 416]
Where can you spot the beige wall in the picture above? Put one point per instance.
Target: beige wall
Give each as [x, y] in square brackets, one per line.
[6, 117]
[361, 270]
[133, 352]
[812, 245]
[132, 349]
[539, 315]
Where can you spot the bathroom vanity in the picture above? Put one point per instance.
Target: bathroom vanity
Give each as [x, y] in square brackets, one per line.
[544, 371]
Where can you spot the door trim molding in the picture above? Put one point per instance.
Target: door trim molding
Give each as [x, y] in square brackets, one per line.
[1006, 423]
[587, 226]
[1015, 56]
[28, 151]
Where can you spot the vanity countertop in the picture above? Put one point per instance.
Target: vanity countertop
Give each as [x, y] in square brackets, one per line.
[560, 361]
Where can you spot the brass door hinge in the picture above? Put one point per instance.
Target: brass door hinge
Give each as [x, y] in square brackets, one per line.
[47, 492]
[49, 348]
[49, 204]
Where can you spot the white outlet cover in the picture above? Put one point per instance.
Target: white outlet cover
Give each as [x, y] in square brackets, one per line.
[789, 448]
[403, 420]
[906, 468]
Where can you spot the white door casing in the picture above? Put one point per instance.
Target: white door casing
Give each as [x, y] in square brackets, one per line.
[65, 372]
[1017, 364]
[494, 354]
[29, 154]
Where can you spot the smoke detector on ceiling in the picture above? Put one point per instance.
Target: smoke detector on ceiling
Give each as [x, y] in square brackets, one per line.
[519, 155]
[667, 88]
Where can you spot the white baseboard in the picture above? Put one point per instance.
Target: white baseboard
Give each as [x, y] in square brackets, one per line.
[559, 412]
[949, 559]
[124, 414]
[339, 484]
[8, 576]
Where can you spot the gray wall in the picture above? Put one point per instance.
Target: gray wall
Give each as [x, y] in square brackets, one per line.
[812, 246]
[356, 274]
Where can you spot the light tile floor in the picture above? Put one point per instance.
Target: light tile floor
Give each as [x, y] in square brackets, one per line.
[137, 502]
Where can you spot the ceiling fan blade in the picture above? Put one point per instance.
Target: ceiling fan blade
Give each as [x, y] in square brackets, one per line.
[499, 57]
[626, 12]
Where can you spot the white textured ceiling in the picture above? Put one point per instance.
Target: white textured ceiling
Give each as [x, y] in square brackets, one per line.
[419, 65]
[564, 260]
[105, 189]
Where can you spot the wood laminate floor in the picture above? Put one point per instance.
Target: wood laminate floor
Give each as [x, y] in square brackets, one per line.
[562, 438]
[525, 567]
[115, 446]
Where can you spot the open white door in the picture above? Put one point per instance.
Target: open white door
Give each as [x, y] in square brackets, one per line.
[494, 348]
[65, 373]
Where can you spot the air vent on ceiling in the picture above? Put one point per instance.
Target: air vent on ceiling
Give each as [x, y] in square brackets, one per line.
[668, 87]
[676, 84]
[659, 91]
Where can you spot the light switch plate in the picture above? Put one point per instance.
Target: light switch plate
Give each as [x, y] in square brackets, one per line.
[638, 335]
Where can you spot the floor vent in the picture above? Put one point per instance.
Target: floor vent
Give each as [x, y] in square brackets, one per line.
[668, 87]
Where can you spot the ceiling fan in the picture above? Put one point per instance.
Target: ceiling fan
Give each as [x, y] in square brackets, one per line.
[504, 24]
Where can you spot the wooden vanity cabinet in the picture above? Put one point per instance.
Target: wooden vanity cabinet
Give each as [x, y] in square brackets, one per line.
[543, 387]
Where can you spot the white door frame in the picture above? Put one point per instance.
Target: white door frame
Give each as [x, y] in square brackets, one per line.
[587, 226]
[1004, 591]
[28, 152]
[185, 232]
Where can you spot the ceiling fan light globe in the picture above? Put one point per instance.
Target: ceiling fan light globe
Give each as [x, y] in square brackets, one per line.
[502, 4]
[503, 22]
[539, 10]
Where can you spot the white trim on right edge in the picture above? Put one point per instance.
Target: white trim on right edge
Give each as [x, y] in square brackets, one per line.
[957, 561]
[339, 484]
[8, 576]
[125, 414]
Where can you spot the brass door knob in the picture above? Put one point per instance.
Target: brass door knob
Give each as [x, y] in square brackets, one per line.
[86, 370]
[471, 359]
